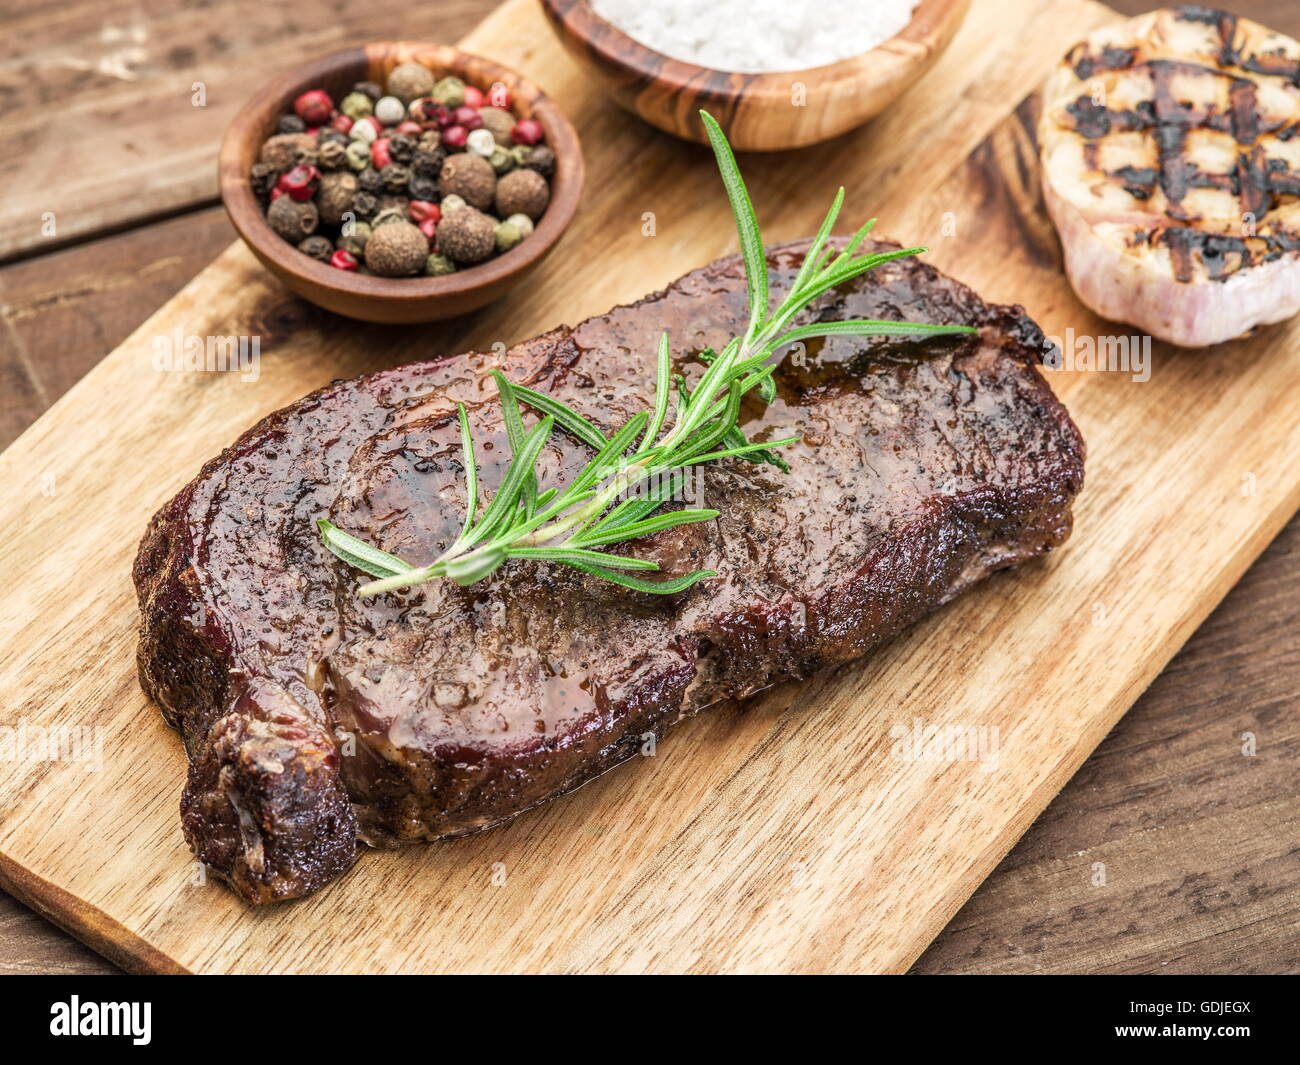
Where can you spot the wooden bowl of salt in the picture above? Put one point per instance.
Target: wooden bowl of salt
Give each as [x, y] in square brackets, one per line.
[759, 109]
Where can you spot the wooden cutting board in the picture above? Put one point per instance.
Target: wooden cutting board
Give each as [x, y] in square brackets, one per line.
[790, 834]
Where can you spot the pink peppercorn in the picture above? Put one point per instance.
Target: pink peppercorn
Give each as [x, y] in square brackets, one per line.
[429, 228]
[300, 182]
[343, 260]
[314, 107]
[422, 210]
[381, 153]
[455, 136]
[468, 117]
[527, 131]
[341, 122]
[473, 97]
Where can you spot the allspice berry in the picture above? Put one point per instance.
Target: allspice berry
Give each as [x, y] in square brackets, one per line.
[522, 192]
[281, 150]
[497, 122]
[410, 81]
[291, 219]
[397, 250]
[467, 236]
[335, 195]
[470, 177]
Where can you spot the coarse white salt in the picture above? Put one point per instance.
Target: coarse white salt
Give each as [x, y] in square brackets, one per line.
[756, 36]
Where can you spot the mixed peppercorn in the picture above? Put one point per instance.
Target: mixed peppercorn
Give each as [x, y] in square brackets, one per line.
[424, 176]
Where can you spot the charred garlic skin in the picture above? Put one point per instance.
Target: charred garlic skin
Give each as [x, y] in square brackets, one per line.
[1170, 148]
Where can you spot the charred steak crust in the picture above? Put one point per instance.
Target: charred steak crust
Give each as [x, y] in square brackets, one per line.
[313, 719]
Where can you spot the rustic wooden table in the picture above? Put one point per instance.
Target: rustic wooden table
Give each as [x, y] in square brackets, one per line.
[1170, 851]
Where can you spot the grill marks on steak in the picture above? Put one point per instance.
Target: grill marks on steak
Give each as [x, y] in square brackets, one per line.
[313, 718]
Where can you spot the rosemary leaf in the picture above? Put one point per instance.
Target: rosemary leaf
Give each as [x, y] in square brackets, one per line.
[358, 553]
[634, 529]
[668, 587]
[576, 554]
[751, 241]
[564, 416]
[515, 433]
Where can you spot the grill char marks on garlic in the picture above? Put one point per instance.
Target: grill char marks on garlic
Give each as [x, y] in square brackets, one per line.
[1170, 146]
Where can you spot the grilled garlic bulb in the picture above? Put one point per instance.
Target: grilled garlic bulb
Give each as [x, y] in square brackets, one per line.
[1170, 149]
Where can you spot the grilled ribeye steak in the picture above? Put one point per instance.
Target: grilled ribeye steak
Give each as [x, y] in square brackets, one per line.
[313, 718]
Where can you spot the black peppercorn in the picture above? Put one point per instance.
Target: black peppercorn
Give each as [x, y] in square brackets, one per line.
[333, 156]
[401, 147]
[369, 180]
[423, 188]
[395, 177]
[364, 204]
[317, 247]
[541, 159]
[428, 163]
[263, 177]
[369, 88]
[328, 134]
[290, 124]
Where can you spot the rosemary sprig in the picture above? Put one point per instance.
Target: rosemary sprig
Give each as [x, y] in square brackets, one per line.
[608, 501]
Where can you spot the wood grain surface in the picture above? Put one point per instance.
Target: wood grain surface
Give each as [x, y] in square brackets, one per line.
[113, 111]
[1161, 802]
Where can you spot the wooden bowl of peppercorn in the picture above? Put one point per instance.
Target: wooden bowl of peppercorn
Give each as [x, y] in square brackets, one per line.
[395, 300]
[770, 111]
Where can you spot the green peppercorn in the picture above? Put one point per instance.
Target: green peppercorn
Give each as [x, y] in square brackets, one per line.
[357, 105]
[354, 237]
[358, 155]
[507, 236]
[449, 91]
[502, 161]
[387, 217]
[522, 223]
[439, 266]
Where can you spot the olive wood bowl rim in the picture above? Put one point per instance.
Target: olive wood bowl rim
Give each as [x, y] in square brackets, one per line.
[931, 20]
